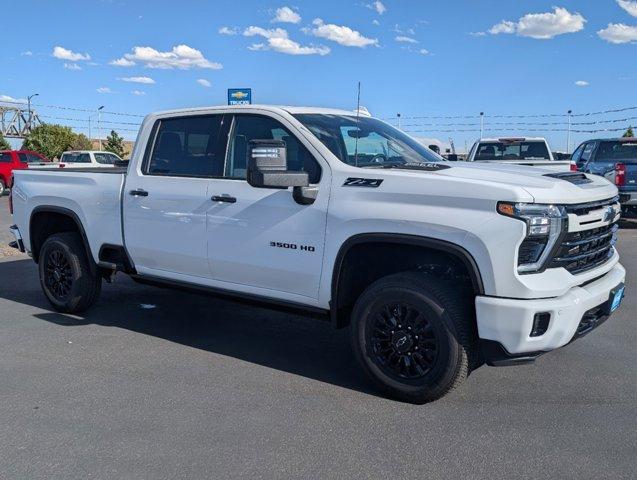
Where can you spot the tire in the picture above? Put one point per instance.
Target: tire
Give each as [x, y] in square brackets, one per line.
[415, 336]
[65, 274]
[3, 187]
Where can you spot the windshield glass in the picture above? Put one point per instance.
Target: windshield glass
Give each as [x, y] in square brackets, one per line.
[512, 151]
[366, 142]
[615, 150]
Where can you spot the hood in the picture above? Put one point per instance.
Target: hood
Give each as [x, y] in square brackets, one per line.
[544, 185]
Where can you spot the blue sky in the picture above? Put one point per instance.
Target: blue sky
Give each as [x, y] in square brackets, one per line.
[416, 57]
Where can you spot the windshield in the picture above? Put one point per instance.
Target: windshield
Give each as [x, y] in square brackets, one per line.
[366, 142]
[615, 150]
[512, 151]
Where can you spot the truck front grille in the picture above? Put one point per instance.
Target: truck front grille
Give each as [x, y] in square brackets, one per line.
[581, 251]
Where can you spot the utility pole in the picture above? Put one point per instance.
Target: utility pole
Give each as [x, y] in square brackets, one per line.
[29, 109]
[398, 116]
[568, 135]
[99, 126]
[481, 124]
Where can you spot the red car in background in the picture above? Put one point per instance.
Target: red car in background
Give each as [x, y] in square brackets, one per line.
[11, 160]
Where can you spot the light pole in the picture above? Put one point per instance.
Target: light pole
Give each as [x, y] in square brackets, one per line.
[398, 116]
[568, 135]
[99, 127]
[29, 110]
[481, 124]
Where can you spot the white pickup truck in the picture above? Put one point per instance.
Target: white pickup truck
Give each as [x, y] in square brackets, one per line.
[88, 159]
[437, 267]
[525, 151]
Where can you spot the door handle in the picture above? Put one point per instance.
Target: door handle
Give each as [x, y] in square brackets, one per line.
[138, 193]
[223, 198]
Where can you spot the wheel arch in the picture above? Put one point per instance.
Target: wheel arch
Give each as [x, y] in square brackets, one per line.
[339, 312]
[41, 227]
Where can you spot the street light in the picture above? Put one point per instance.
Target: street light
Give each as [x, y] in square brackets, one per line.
[99, 128]
[29, 110]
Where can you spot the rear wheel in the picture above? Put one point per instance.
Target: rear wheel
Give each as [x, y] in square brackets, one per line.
[65, 274]
[3, 187]
[413, 336]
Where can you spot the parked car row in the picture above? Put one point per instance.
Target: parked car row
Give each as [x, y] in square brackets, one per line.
[11, 160]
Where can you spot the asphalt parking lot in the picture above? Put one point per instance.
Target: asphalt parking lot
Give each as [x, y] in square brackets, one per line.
[154, 384]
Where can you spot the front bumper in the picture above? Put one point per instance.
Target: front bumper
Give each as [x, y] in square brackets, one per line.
[17, 243]
[505, 324]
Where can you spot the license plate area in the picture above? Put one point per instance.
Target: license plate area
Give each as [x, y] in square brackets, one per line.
[615, 298]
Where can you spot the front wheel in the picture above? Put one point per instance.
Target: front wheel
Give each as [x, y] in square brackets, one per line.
[3, 187]
[413, 335]
[65, 274]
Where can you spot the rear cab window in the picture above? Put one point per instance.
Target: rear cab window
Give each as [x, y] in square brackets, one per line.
[512, 150]
[75, 157]
[618, 150]
[5, 158]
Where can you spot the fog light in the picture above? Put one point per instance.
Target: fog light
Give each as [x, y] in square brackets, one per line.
[540, 324]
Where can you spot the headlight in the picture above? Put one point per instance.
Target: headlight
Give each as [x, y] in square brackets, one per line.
[545, 225]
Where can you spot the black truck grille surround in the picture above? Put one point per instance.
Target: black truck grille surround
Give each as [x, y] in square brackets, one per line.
[581, 251]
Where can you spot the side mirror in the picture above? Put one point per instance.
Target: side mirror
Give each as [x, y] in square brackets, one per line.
[268, 166]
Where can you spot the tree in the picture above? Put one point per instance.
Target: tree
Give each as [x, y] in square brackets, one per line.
[50, 140]
[629, 133]
[4, 145]
[81, 142]
[115, 144]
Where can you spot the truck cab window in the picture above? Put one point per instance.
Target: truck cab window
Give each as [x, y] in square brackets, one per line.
[189, 146]
[255, 127]
[5, 158]
[588, 151]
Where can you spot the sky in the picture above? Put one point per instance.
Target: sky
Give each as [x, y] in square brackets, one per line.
[419, 58]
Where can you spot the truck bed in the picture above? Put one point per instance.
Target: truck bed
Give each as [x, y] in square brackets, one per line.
[92, 194]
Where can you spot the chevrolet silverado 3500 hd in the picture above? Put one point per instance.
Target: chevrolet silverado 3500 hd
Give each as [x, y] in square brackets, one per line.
[436, 267]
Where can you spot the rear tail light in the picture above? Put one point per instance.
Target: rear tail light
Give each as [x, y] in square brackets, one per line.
[62, 165]
[573, 167]
[620, 174]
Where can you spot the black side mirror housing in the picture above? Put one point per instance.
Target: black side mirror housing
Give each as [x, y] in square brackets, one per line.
[268, 166]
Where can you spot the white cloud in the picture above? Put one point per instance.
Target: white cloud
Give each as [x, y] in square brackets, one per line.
[378, 6]
[7, 98]
[582, 83]
[182, 57]
[618, 33]
[65, 54]
[257, 47]
[290, 47]
[228, 30]
[266, 33]
[27, 53]
[104, 90]
[139, 93]
[341, 34]
[542, 26]
[204, 83]
[629, 6]
[423, 51]
[122, 62]
[376, 22]
[503, 27]
[72, 66]
[405, 39]
[145, 80]
[279, 42]
[286, 15]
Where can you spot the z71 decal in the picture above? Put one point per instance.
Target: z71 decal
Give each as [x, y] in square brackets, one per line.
[363, 182]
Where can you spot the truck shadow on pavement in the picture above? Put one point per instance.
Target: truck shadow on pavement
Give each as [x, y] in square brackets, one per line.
[303, 346]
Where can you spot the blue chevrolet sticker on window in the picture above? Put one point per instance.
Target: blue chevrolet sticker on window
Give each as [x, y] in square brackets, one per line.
[239, 96]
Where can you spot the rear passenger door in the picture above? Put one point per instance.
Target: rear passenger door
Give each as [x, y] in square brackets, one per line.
[166, 199]
[261, 238]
